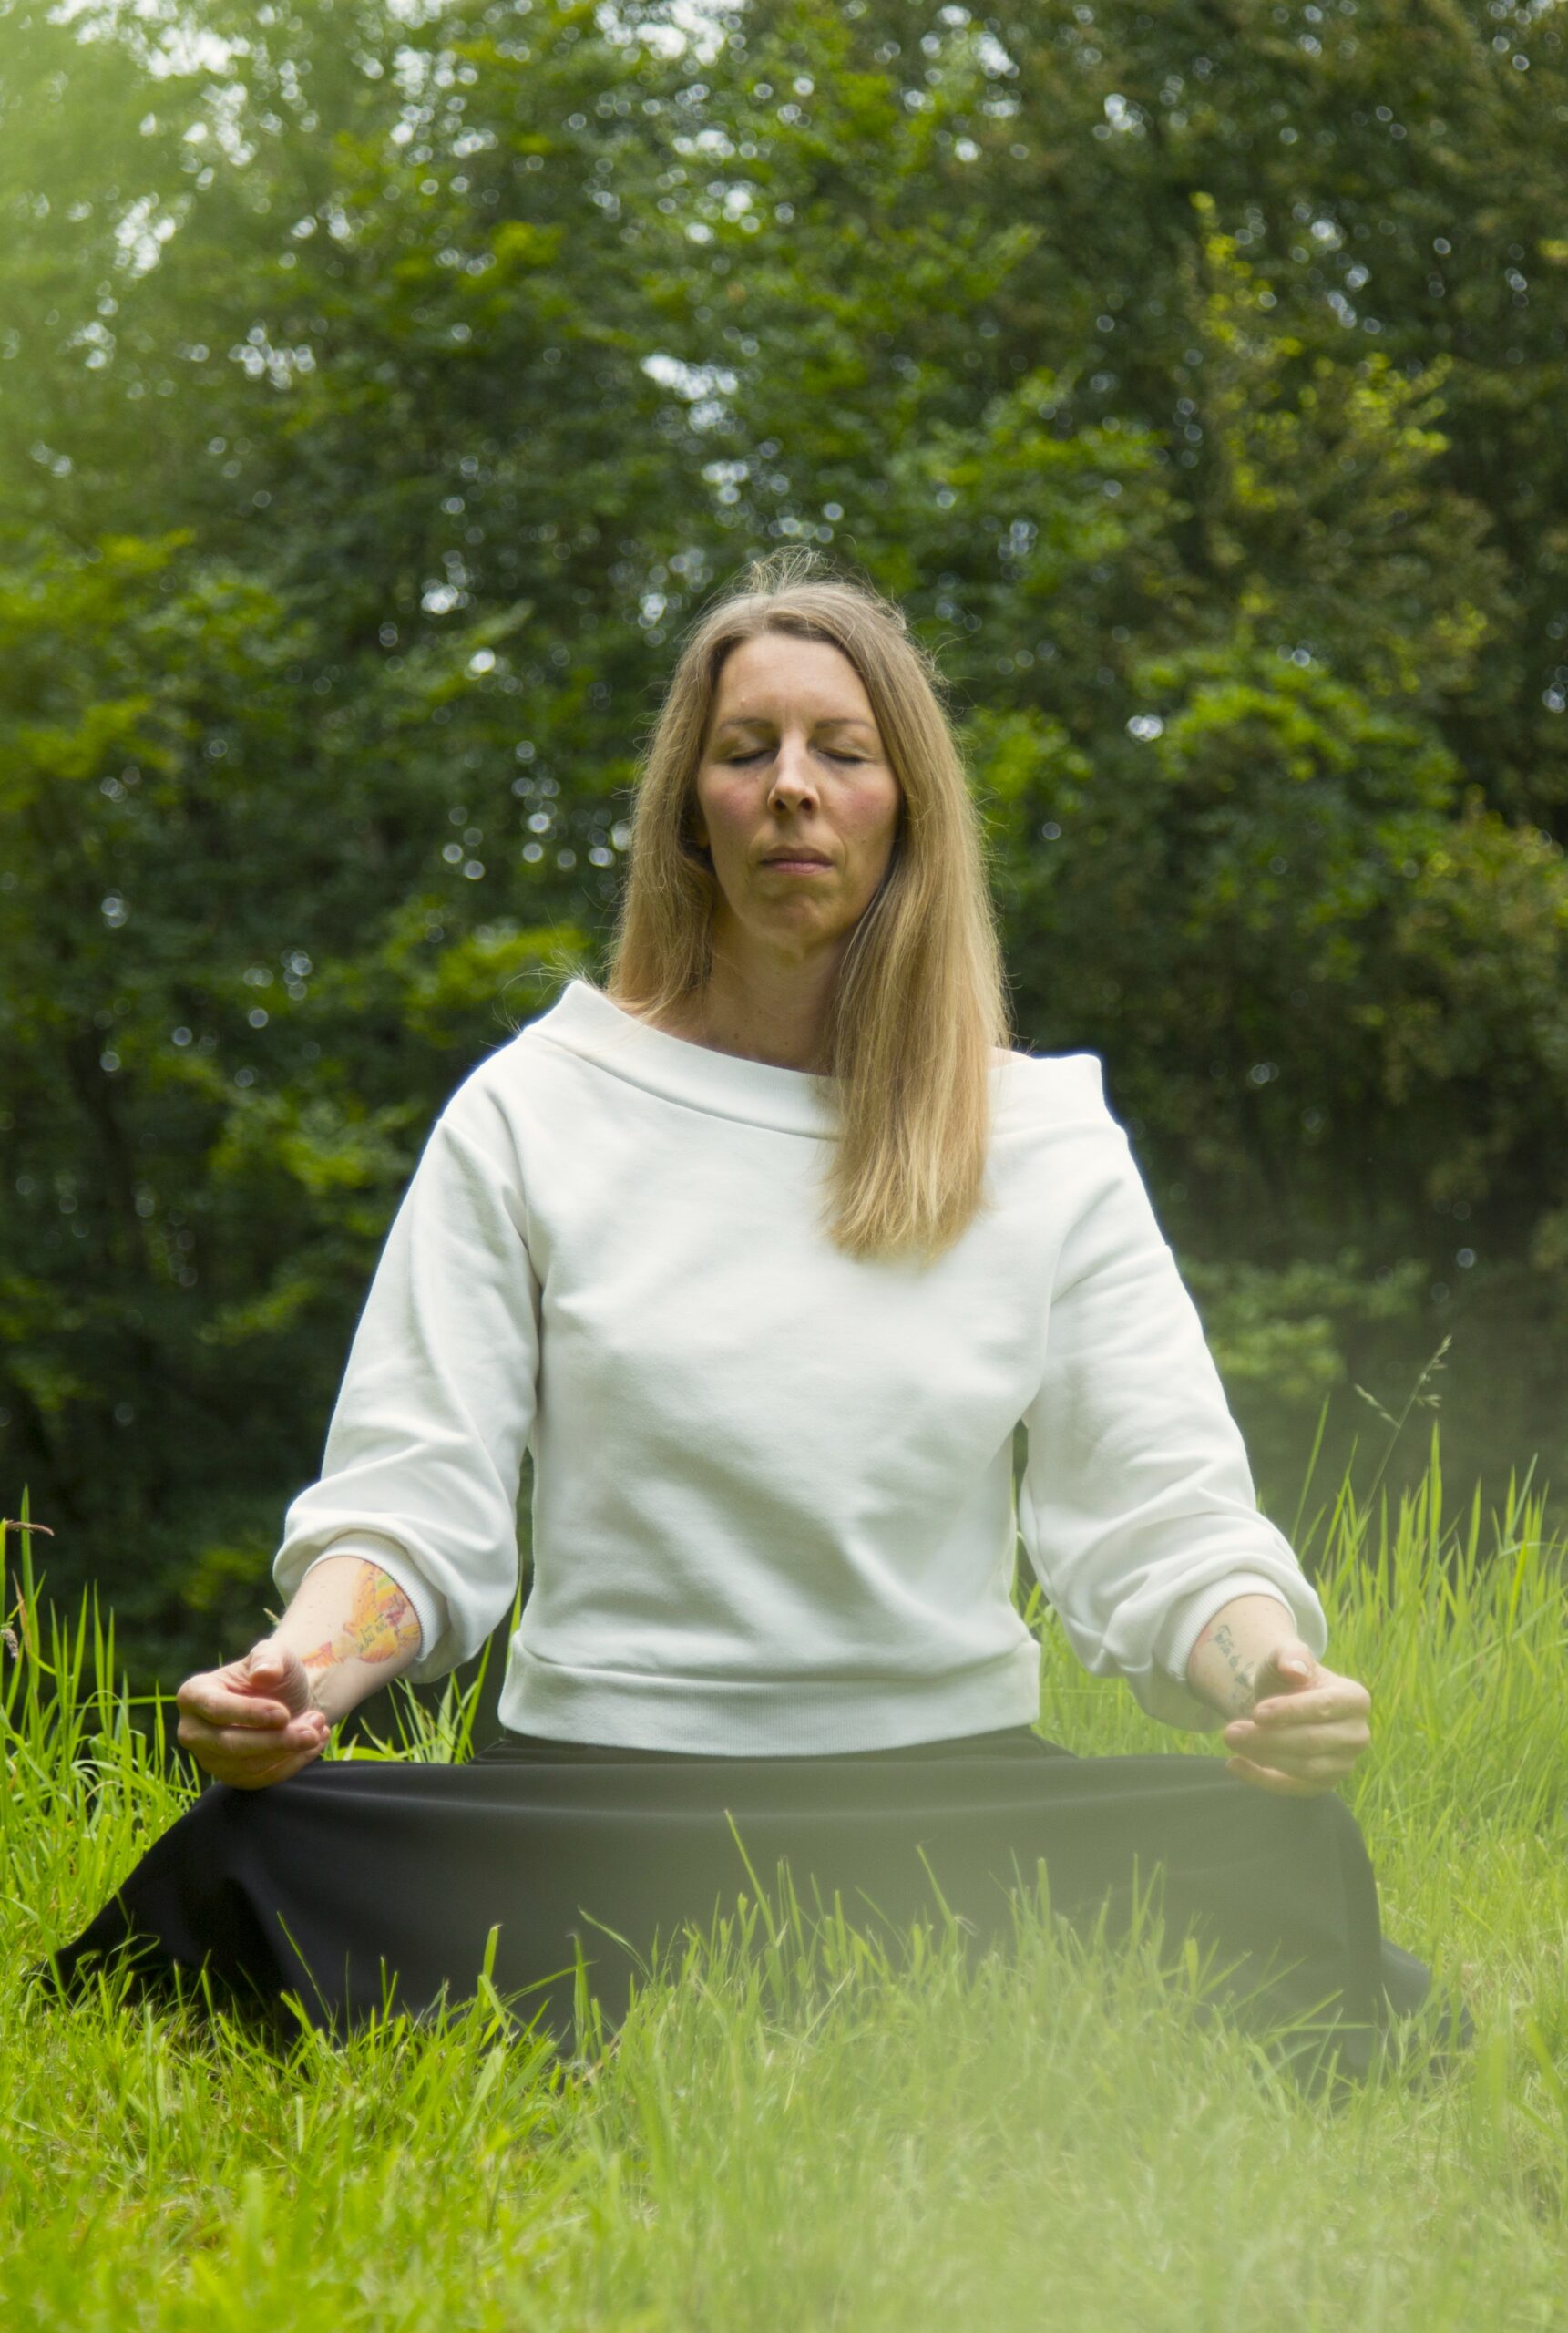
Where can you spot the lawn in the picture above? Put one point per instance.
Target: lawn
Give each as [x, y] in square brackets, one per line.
[805, 2133]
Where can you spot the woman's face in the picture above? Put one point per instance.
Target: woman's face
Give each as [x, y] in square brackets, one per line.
[796, 797]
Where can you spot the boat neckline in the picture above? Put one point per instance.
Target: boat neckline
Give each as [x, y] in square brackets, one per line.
[717, 1053]
[587, 1022]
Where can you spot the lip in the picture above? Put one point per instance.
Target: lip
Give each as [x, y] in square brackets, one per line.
[797, 859]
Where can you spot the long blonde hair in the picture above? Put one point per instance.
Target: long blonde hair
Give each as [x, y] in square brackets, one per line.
[918, 1005]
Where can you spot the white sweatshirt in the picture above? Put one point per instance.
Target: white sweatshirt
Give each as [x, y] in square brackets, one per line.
[773, 1502]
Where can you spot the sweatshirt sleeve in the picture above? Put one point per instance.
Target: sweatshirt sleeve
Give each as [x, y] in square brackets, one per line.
[1137, 1508]
[424, 1451]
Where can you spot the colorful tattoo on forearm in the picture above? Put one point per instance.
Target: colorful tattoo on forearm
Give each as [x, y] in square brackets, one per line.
[382, 1624]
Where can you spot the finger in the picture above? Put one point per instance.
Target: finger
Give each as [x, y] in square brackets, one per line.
[1294, 1757]
[1344, 1697]
[250, 1777]
[283, 1770]
[1331, 1765]
[1323, 1768]
[220, 1705]
[1290, 1742]
[1324, 1699]
[252, 1743]
[244, 1744]
[267, 1660]
[1271, 1779]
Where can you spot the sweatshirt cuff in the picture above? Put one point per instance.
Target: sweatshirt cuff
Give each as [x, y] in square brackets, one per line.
[429, 1609]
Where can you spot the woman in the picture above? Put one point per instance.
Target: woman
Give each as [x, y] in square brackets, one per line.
[765, 1249]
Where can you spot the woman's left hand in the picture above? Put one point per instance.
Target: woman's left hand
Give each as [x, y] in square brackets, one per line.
[1306, 1729]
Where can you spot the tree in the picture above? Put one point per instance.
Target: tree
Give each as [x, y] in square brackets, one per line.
[381, 392]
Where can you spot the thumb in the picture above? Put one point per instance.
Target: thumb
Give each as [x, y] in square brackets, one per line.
[1292, 1664]
[271, 1668]
[278, 1671]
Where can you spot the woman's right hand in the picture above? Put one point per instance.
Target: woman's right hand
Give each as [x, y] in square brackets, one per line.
[254, 1720]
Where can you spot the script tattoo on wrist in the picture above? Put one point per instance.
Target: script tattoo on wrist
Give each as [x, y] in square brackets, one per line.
[1243, 1675]
[381, 1624]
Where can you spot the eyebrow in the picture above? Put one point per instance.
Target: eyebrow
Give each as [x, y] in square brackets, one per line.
[828, 721]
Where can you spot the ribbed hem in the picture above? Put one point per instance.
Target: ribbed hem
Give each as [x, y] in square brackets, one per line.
[771, 1719]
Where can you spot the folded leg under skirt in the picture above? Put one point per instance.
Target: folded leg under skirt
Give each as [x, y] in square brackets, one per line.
[358, 1873]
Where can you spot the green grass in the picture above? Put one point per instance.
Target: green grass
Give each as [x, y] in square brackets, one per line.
[804, 2133]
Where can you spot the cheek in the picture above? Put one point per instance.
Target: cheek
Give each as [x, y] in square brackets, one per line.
[726, 816]
[874, 826]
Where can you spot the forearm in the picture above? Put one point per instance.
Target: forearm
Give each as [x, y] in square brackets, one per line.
[1224, 1662]
[353, 1629]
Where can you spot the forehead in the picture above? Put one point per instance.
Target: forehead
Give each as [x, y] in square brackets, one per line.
[776, 674]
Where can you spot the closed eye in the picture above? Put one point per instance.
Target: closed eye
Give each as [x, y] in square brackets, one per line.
[761, 754]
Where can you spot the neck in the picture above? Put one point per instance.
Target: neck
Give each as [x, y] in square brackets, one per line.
[765, 1009]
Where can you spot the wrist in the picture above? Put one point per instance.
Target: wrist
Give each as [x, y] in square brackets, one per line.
[336, 1687]
[1225, 1665]
[352, 1628]
[1233, 1695]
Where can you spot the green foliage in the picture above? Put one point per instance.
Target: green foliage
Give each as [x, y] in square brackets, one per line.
[382, 390]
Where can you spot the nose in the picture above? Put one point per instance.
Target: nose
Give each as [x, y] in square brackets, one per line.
[793, 782]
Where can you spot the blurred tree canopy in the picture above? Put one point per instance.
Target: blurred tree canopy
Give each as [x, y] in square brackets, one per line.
[383, 386]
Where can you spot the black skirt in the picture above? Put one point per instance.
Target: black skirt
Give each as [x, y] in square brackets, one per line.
[361, 1884]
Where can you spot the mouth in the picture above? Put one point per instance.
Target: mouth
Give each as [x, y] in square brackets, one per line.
[804, 859]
